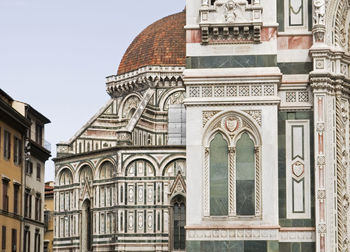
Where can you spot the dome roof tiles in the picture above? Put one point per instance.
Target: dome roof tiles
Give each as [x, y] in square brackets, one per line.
[163, 43]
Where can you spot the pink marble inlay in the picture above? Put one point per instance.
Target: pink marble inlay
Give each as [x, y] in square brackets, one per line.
[321, 176]
[322, 210]
[320, 109]
[299, 42]
[322, 243]
[320, 143]
[294, 42]
[268, 33]
[193, 36]
[282, 43]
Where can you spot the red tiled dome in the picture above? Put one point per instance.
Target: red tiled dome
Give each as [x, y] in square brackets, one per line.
[163, 43]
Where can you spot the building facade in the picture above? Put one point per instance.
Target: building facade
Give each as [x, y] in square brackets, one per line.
[21, 204]
[33, 178]
[227, 130]
[13, 130]
[48, 216]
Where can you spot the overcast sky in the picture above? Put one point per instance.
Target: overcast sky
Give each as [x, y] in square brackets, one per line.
[55, 54]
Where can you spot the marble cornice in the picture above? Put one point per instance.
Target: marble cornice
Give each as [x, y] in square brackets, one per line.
[144, 77]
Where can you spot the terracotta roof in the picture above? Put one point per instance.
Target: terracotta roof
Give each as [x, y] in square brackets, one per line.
[163, 43]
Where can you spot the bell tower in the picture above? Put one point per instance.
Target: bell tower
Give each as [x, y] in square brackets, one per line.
[232, 81]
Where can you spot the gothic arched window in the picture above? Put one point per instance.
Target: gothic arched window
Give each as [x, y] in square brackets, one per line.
[232, 167]
[179, 221]
[218, 176]
[245, 176]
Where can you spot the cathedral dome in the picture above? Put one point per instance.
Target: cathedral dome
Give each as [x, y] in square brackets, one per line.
[163, 43]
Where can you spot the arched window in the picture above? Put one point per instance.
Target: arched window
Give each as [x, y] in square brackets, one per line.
[232, 167]
[245, 176]
[106, 170]
[218, 176]
[85, 174]
[178, 222]
[66, 177]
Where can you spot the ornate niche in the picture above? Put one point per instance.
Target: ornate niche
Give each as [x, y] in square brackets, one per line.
[230, 21]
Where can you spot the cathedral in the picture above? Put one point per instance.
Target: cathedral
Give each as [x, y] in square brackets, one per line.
[227, 129]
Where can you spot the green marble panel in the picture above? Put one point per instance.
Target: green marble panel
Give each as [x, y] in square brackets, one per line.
[295, 67]
[255, 246]
[272, 246]
[296, 247]
[245, 197]
[240, 61]
[193, 246]
[280, 15]
[232, 246]
[310, 14]
[308, 246]
[285, 247]
[218, 176]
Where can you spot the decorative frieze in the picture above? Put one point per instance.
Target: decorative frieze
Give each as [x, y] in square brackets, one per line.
[232, 234]
[246, 90]
[297, 236]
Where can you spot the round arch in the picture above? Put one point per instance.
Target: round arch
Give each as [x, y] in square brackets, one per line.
[59, 173]
[154, 164]
[172, 160]
[166, 95]
[122, 105]
[101, 162]
[80, 168]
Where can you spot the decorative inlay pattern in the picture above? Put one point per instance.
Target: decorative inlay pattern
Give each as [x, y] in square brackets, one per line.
[269, 90]
[256, 90]
[207, 91]
[194, 92]
[296, 96]
[219, 91]
[243, 91]
[291, 96]
[232, 90]
[303, 96]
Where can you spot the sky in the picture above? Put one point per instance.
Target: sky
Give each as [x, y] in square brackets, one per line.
[55, 55]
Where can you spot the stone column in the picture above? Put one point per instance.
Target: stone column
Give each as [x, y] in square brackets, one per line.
[324, 171]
